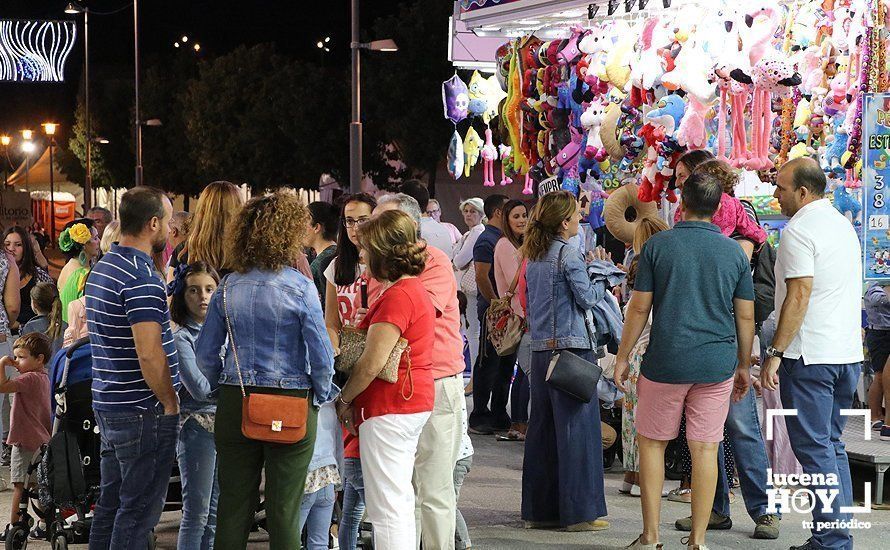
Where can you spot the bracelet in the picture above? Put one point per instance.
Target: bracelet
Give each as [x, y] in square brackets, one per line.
[341, 400]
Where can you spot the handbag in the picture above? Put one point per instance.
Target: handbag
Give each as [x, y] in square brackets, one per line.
[352, 345]
[569, 373]
[505, 327]
[267, 417]
[467, 280]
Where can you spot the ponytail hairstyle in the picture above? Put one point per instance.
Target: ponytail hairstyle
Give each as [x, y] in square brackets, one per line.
[647, 227]
[545, 223]
[46, 299]
[346, 261]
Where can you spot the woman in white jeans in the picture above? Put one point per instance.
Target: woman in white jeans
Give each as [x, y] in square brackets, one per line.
[462, 258]
[389, 417]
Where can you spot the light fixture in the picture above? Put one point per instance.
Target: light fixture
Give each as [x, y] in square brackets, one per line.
[28, 147]
[643, 4]
[49, 128]
[27, 134]
[592, 10]
[185, 38]
[153, 122]
[197, 47]
[5, 141]
[319, 45]
[100, 140]
[666, 3]
[73, 9]
[385, 45]
[176, 44]
[327, 39]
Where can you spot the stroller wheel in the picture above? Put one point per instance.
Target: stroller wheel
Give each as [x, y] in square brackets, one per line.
[60, 542]
[17, 538]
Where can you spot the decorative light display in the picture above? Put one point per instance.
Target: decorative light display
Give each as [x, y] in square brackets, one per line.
[35, 51]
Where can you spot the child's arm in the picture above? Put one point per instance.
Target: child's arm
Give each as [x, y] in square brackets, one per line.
[6, 385]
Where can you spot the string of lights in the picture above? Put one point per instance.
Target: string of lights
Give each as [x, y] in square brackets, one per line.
[35, 51]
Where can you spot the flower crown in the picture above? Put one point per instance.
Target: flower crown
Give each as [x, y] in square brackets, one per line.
[76, 234]
[178, 283]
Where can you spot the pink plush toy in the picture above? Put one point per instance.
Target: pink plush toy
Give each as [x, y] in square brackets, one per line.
[489, 154]
[505, 152]
[691, 133]
[529, 185]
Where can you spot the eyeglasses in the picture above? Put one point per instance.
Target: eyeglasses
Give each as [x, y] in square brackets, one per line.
[352, 222]
[434, 211]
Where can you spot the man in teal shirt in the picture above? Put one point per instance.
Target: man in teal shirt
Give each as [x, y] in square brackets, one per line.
[697, 284]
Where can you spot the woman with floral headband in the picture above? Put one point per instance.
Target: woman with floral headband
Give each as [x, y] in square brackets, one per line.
[79, 241]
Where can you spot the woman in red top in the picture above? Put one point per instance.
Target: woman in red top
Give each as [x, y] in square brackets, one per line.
[389, 417]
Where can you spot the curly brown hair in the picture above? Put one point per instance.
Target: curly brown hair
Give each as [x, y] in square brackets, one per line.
[267, 233]
[722, 171]
[390, 245]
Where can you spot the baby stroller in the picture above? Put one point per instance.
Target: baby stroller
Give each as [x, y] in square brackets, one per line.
[67, 468]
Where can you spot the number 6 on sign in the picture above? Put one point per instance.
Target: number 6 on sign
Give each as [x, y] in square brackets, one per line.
[879, 222]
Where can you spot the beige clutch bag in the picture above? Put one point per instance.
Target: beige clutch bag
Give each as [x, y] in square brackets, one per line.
[352, 345]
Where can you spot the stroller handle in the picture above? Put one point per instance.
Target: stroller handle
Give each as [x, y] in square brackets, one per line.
[76, 345]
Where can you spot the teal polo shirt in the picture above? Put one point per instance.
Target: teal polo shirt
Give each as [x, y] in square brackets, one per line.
[694, 273]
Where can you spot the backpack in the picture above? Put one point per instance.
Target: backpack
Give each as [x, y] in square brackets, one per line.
[763, 266]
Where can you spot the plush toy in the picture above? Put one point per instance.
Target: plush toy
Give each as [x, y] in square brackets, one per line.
[477, 92]
[800, 150]
[505, 151]
[593, 190]
[688, 73]
[455, 159]
[455, 99]
[667, 114]
[489, 153]
[570, 52]
[493, 96]
[620, 55]
[662, 149]
[609, 132]
[591, 120]
[836, 148]
[846, 201]
[692, 133]
[836, 100]
[511, 120]
[472, 148]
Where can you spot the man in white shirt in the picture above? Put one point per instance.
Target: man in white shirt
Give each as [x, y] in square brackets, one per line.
[434, 233]
[816, 355]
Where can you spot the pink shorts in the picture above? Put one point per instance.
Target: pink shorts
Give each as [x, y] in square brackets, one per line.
[660, 406]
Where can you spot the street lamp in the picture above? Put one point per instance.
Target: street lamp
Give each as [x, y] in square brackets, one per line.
[27, 135]
[355, 125]
[50, 129]
[5, 141]
[73, 9]
[28, 147]
[136, 73]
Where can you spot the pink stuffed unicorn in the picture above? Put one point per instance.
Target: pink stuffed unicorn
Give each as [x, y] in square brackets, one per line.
[489, 154]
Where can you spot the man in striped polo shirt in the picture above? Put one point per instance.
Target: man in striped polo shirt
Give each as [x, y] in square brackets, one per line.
[135, 376]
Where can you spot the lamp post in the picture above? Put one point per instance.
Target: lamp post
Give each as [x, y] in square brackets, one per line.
[138, 121]
[73, 9]
[355, 125]
[27, 148]
[5, 141]
[50, 130]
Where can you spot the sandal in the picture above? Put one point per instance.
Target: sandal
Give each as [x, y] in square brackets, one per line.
[512, 435]
[680, 495]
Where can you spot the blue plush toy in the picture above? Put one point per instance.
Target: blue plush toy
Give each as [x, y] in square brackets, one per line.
[831, 161]
[845, 201]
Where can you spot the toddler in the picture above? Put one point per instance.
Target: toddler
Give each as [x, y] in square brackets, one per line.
[29, 425]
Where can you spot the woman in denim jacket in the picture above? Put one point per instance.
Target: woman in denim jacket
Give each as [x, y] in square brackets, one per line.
[283, 348]
[562, 477]
[191, 290]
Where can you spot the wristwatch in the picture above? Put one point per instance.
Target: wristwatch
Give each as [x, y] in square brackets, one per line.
[773, 352]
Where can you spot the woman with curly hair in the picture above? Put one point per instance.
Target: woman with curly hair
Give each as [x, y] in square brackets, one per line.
[278, 346]
[389, 417]
[79, 241]
[28, 257]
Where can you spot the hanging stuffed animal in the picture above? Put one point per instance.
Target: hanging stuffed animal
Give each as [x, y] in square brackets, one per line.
[455, 99]
[662, 149]
[455, 156]
[570, 51]
[505, 152]
[472, 148]
[692, 133]
[477, 92]
[846, 201]
[493, 96]
[489, 153]
[837, 147]
[591, 120]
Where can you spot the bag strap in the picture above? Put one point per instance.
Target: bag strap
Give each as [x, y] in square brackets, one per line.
[515, 279]
[553, 289]
[232, 339]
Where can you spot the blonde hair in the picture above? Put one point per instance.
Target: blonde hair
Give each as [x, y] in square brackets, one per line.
[389, 242]
[266, 234]
[645, 229]
[545, 223]
[111, 235]
[217, 207]
[722, 172]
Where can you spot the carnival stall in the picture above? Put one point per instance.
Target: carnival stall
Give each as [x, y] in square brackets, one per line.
[595, 96]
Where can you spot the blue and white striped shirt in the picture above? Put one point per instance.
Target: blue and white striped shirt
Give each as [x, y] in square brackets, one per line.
[123, 289]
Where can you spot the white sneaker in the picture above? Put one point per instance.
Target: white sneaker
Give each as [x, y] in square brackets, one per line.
[637, 545]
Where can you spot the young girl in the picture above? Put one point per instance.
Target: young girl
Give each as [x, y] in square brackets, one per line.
[191, 289]
[46, 304]
[319, 496]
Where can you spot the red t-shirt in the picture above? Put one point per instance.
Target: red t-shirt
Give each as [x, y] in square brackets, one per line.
[29, 423]
[406, 305]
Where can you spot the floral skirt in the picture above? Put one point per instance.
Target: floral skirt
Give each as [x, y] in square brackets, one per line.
[631, 458]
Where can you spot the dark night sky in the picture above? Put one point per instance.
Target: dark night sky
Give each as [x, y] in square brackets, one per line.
[218, 25]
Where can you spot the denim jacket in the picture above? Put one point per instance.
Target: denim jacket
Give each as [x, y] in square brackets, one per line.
[195, 393]
[559, 299]
[279, 332]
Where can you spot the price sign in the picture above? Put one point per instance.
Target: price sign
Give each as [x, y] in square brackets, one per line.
[875, 181]
[548, 185]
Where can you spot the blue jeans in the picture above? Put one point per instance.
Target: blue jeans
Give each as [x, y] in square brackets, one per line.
[520, 394]
[743, 427]
[353, 503]
[316, 512]
[816, 436]
[138, 448]
[196, 452]
[461, 532]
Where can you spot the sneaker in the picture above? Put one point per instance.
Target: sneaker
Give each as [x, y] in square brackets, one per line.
[885, 433]
[717, 522]
[482, 429]
[808, 545]
[680, 495]
[767, 527]
[877, 425]
[597, 525]
[626, 488]
[637, 545]
[685, 540]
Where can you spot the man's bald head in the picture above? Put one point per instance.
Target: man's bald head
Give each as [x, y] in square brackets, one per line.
[805, 172]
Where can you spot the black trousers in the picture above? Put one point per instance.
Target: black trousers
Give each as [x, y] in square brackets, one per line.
[491, 386]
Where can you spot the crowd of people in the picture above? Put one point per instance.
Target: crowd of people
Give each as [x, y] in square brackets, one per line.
[282, 353]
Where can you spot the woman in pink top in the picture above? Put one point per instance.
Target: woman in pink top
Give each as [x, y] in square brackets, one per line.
[507, 263]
